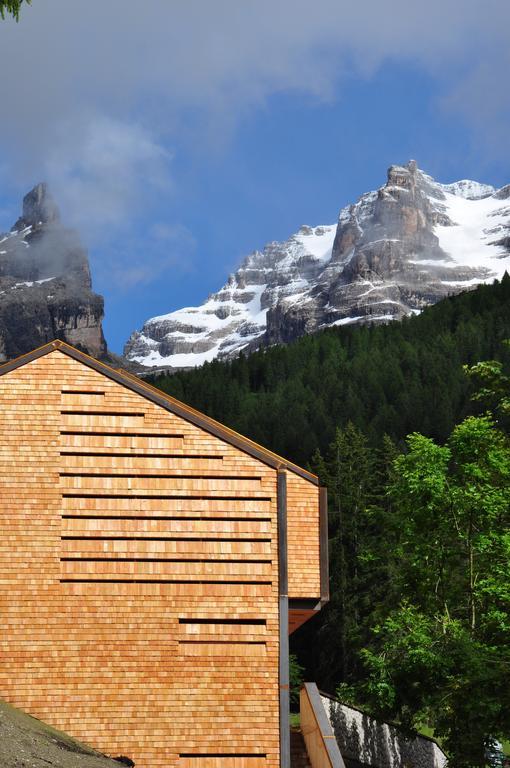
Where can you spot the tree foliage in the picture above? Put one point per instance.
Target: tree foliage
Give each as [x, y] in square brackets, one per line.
[493, 384]
[296, 678]
[355, 474]
[443, 654]
[11, 7]
[418, 625]
[388, 379]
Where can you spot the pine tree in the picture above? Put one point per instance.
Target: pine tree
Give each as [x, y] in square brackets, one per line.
[354, 474]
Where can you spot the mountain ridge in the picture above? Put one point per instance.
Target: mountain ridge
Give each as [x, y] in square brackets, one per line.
[395, 251]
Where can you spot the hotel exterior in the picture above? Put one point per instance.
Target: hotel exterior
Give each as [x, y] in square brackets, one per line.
[152, 563]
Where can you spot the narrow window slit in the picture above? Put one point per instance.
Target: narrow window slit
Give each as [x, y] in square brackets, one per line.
[82, 392]
[118, 454]
[163, 496]
[234, 622]
[196, 581]
[77, 559]
[222, 642]
[89, 433]
[223, 754]
[66, 537]
[169, 518]
[135, 476]
[103, 413]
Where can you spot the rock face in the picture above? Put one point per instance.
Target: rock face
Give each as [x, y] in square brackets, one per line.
[398, 249]
[45, 285]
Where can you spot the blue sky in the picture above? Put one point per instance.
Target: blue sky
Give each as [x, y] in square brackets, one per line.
[180, 138]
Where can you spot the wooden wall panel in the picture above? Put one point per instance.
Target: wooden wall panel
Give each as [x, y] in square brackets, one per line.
[138, 573]
[303, 529]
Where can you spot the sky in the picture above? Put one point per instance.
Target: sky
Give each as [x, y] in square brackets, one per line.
[179, 135]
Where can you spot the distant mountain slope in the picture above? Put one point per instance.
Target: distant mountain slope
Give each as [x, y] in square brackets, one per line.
[388, 379]
[397, 250]
[45, 285]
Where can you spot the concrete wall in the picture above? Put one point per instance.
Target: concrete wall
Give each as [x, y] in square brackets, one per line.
[367, 741]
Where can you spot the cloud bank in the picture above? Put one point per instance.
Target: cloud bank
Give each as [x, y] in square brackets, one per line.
[99, 92]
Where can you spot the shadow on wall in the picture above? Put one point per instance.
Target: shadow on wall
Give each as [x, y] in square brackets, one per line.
[368, 742]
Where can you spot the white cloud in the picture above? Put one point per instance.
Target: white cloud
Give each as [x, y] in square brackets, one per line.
[87, 78]
[163, 57]
[104, 171]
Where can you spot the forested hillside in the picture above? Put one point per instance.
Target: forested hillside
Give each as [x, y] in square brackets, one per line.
[386, 379]
[418, 625]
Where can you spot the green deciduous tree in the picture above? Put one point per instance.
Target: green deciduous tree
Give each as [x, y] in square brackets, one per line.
[426, 563]
[443, 653]
[296, 678]
[493, 384]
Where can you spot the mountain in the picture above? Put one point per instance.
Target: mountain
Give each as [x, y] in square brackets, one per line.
[45, 284]
[386, 378]
[397, 250]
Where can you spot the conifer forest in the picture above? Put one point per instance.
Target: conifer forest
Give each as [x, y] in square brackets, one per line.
[407, 426]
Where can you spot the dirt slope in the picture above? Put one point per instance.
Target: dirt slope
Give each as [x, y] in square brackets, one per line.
[28, 743]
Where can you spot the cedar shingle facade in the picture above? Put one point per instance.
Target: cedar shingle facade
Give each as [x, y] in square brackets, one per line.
[151, 563]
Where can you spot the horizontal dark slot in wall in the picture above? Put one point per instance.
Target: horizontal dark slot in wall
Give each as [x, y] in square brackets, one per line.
[137, 414]
[136, 476]
[88, 433]
[111, 454]
[222, 642]
[156, 559]
[222, 754]
[201, 497]
[234, 622]
[198, 580]
[162, 538]
[81, 392]
[168, 518]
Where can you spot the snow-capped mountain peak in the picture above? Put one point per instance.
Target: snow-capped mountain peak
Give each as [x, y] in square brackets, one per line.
[393, 252]
[470, 190]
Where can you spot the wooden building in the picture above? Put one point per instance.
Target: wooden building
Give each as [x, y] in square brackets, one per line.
[152, 564]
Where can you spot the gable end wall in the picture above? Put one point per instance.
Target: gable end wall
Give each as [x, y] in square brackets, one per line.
[139, 572]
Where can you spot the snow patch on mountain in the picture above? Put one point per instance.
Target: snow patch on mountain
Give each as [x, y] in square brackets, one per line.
[472, 240]
[468, 189]
[231, 319]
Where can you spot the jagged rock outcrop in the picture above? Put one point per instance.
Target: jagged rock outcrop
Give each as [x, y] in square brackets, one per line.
[45, 284]
[398, 249]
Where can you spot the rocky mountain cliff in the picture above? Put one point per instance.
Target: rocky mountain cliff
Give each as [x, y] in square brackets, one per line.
[45, 285]
[398, 249]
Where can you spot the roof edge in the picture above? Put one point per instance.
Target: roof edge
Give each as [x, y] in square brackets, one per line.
[167, 402]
